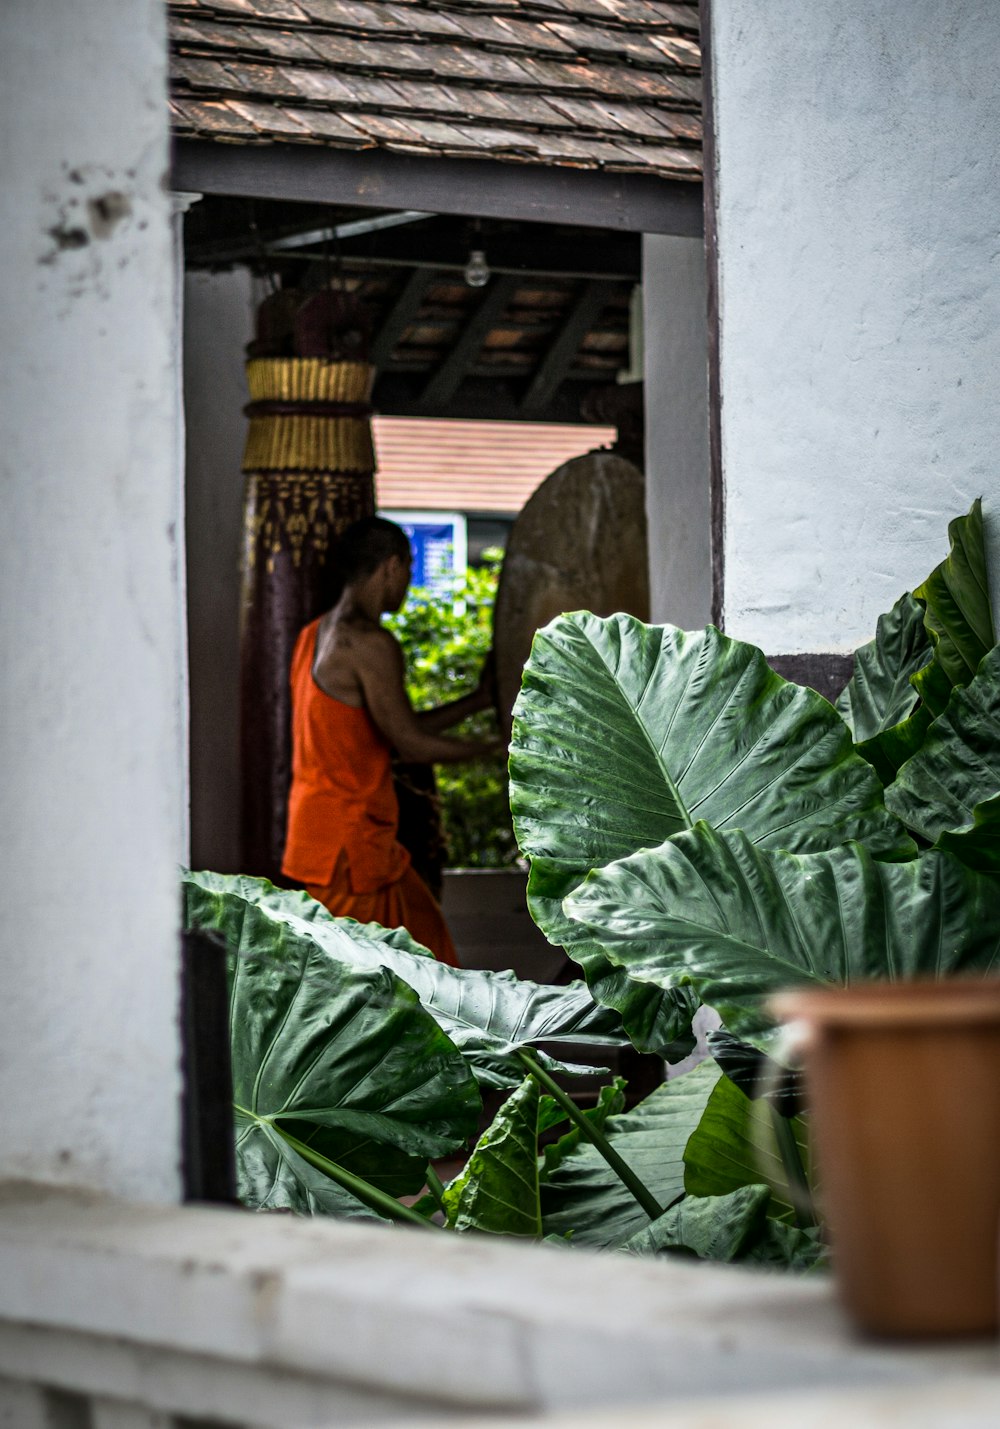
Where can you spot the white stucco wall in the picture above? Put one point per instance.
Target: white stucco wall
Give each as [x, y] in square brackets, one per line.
[218, 323]
[92, 657]
[677, 482]
[859, 176]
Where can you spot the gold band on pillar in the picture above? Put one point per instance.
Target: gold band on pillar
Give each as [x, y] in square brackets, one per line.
[302, 441]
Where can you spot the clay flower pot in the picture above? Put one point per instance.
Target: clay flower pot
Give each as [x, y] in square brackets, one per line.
[903, 1082]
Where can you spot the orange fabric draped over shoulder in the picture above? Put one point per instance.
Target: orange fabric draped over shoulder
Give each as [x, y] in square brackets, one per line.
[342, 815]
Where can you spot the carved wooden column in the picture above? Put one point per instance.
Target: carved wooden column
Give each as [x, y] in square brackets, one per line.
[309, 465]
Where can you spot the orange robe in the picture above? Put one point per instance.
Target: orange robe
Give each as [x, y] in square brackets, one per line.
[342, 815]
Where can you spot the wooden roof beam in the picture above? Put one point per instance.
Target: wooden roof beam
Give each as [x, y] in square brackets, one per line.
[563, 350]
[400, 315]
[447, 379]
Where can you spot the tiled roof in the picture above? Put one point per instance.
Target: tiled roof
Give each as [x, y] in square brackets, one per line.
[425, 464]
[609, 84]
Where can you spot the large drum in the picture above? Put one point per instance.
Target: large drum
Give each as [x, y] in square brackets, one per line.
[579, 544]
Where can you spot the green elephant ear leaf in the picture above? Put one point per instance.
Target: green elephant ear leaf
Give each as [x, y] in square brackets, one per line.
[711, 1227]
[626, 734]
[959, 618]
[333, 1053]
[881, 703]
[272, 1177]
[733, 1227]
[958, 766]
[734, 1145]
[488, 1016]
[879, 694]
[930, 642]
[757, 1075]
[498, 1190]
[610, 1101]
[737, 923]
[977, 844]
[584, 1199]
[385, 1167]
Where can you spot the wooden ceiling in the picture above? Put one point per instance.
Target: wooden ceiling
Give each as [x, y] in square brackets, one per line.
[546, 334]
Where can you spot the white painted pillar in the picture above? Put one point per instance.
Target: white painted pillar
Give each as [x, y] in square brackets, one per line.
[91, 740]
[675, 331]
[858, 170]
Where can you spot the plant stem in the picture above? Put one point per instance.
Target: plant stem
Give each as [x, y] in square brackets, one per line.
[368, 1194]
[798, 1183]
[621, 1168]
[435, 1186]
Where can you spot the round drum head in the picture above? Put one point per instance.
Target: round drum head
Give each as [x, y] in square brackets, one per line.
[578, 544]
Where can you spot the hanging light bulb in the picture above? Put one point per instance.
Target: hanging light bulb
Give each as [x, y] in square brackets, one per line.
[477, 270]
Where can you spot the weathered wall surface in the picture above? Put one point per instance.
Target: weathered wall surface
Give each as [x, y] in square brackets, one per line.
[90, 624]
[676, 375]
[859, 171]
[218, 322]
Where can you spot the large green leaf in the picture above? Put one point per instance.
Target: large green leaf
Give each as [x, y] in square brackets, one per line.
[880, 702]
[487, 1015]
[273, 1177]
[757, 1075]
[958, 616]
[585, 1199]
[734, 1145]
[737, 923]
[730, 1227]
[383, 1166]
[977, 844]
[879, 694]
[625, 734]
[610, 1102]
[711, 1227]
[498, 1190]
[958, 766]
[338, 1054]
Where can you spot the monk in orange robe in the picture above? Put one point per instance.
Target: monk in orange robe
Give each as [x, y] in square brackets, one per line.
[350, 709]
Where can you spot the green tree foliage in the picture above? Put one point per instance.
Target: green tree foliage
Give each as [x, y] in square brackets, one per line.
[445, 642]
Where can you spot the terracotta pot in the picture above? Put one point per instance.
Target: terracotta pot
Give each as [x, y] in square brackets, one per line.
[904, 1088]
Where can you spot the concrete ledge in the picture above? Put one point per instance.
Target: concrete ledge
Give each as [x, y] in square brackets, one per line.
[375, 1326]
[954, 1404]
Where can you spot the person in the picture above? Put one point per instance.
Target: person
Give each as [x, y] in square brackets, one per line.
[350, 711]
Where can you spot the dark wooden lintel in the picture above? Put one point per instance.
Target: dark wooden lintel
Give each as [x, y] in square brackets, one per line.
[564, 348]
[538, 250]
[445, 382]
[589, 198]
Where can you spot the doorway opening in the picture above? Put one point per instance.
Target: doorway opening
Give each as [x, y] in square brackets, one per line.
[486, 381]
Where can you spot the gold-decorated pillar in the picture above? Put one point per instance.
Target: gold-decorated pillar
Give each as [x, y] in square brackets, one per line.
[309, 466]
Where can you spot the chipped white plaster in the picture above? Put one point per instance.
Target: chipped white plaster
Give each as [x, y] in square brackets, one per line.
[677, 481]
[858, 174]
[89, 586]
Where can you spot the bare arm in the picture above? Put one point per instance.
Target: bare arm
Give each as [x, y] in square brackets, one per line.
[481, 698]
[380, 673]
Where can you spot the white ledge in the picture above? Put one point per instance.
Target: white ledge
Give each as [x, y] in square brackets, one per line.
[417, 1319]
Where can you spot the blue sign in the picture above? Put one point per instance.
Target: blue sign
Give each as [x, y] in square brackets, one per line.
[438, 543]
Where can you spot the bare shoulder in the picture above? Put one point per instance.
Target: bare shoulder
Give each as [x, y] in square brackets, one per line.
[350, 655]
[379, 650]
